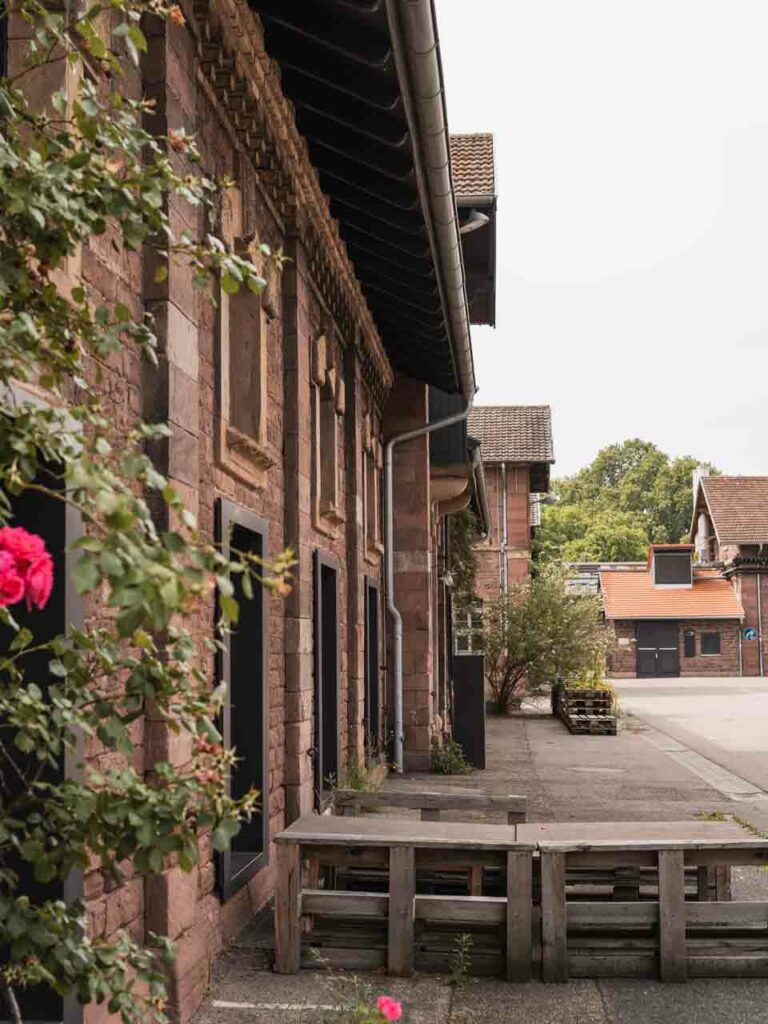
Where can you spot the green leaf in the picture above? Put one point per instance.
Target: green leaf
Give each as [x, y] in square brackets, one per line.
[224, 833]
[86, 575]
[229, 284]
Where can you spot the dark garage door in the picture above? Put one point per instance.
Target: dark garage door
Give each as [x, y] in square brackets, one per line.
[658, 649]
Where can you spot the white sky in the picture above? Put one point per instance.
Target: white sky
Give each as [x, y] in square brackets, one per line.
[632, 166]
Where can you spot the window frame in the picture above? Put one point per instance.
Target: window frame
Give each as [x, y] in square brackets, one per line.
[229, 515]
[710, 635]
[467, 630]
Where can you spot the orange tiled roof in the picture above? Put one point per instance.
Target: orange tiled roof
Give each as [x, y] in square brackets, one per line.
[739, 508]
[472, 164]
[632, 595]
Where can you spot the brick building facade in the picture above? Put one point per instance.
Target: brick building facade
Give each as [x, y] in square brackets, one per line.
[280, 407]
[517, 450]
[730, 527]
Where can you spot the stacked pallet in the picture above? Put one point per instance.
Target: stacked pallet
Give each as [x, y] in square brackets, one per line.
[587, 712]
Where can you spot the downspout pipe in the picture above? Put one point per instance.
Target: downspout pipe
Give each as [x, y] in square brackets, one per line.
[416, 49]
[389, 565]
[503, 545]
[478, 471]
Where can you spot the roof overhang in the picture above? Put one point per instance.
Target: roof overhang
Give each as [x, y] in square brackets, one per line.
[479, 249]
[365, 79]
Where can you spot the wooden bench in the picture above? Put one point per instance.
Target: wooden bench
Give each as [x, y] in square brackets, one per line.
[670, 934]
[401, 846]
[430, 803]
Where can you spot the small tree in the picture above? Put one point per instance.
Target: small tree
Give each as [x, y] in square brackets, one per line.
[540, 631]
[89, 168]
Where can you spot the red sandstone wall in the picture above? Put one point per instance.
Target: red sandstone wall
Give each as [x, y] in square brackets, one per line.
[518, 531]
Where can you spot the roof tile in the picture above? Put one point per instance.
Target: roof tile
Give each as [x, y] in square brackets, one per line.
[739, 508]
[472, 165]
[632, 595]
[513, 433]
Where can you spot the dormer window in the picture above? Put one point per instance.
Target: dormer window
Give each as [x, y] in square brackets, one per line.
[672, 568]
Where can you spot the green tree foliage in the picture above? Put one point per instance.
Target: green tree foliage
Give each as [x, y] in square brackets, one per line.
[90, 169]
[540, 631]
[631, 495]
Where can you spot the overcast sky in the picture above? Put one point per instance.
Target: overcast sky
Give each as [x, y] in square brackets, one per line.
[632, 167]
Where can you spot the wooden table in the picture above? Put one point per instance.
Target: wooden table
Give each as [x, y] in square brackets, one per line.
[396, 843]
[667, 846]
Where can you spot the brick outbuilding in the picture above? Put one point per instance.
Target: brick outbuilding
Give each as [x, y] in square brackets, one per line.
[672, 618]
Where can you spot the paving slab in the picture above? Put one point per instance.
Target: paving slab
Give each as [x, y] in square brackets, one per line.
[495, 1002]
[704, 1001]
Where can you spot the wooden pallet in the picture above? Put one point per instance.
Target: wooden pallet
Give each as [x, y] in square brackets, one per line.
[590, 725]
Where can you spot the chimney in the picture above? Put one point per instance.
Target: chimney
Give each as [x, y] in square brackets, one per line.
[698, 473]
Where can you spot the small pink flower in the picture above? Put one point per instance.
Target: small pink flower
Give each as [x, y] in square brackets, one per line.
[11, 583]
[39, 581]
[389, 1008]
[25, 547]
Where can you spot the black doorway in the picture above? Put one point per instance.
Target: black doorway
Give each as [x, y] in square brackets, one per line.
[326, 749]
[658, 650]
[371, 718]
[245, 714]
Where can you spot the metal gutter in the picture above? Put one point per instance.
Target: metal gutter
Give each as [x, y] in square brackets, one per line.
[416, 48]
[389, 567]
[478, 472]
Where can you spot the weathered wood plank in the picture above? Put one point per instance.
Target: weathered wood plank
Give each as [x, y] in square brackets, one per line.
[430, 814]
[723, 882]
[389, 831]
[461, 909]
[288, 909]
[727, 914]
[755, 966]
[672, 949]
[612, 965]
[596, 915]
[446, 800]
[519, 910]
[554, 941]
[402, 899]
[344, 904]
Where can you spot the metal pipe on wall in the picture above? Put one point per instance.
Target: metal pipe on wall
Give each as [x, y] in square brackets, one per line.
[504, 537]
[389, 566]
[758, 578]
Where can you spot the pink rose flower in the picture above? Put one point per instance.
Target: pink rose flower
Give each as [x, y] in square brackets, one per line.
[25, 547]
[389, 1008]
[38, 581]
[11, 583]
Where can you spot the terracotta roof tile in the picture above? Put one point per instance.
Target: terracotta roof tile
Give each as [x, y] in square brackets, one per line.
[513, 433]
[739, 508]
[632, 595]
[472, 165]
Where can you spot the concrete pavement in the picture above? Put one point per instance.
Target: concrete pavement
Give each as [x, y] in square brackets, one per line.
[724, 720]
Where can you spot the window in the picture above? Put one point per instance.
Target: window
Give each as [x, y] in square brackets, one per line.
[245, 716]
[372, 689]
[327, 408]
[672, 568]
[468, 630]
[243, 330]
[689, 643]
[372, 463]
[243, 325]
[710, 643]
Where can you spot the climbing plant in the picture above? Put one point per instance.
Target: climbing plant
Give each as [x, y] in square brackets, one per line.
[86, 168]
